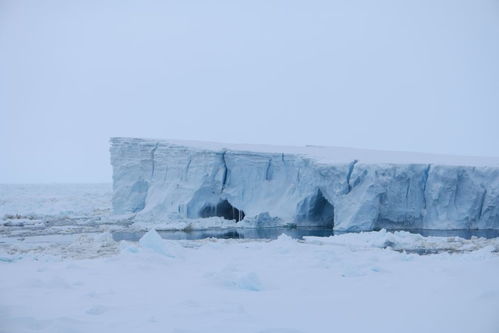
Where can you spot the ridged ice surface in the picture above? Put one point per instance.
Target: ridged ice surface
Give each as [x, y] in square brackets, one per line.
[163, 181]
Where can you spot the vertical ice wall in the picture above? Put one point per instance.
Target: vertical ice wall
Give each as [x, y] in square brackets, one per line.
[162, 181]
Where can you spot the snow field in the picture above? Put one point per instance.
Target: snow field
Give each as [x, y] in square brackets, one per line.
[316, 285]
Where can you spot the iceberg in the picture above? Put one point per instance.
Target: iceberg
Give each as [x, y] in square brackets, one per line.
[161, 181]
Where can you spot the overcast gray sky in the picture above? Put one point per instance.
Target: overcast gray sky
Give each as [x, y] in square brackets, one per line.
[415, 75]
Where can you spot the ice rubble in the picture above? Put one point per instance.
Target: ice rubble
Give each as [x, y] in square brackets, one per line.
[95, 245]
[350, 189]
[65, 246]
[153, 241]
[406, 241]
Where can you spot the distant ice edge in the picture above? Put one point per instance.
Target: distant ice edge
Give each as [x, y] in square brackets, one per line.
[163, 181]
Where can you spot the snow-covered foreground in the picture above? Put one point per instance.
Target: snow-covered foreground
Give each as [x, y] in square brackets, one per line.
[347, 283]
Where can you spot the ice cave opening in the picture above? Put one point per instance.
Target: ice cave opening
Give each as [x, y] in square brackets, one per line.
[316, 210]
[222, 209]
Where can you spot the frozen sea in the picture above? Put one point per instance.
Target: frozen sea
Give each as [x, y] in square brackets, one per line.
[68, 265]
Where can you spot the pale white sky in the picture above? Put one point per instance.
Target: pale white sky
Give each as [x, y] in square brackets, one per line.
[415, 75]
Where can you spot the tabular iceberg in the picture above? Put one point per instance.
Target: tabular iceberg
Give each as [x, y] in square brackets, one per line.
[348, 189]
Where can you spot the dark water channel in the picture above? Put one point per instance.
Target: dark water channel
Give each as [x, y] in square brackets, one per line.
[273, 233]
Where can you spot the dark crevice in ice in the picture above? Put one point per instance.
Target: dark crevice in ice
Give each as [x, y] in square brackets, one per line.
[407, 192]
[225, 172]
[349, 175]
[153, 161]
[425, 183]
[482, 201]
[268, 172]
[187, 167]
[222, 209]
[456, 191]
[317, 210]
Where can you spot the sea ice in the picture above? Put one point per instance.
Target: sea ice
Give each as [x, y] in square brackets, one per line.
[347, 283]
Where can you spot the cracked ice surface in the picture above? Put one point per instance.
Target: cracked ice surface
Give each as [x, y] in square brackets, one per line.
[171, 182]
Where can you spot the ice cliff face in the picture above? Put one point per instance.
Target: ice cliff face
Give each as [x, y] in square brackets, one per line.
[349, 189]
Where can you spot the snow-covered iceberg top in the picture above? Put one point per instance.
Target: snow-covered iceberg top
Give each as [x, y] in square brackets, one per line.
[165, 181]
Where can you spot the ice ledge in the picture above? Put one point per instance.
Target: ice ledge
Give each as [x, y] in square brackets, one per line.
[352, 189]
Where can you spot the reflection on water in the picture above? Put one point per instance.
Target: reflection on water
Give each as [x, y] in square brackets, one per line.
[298, 233]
